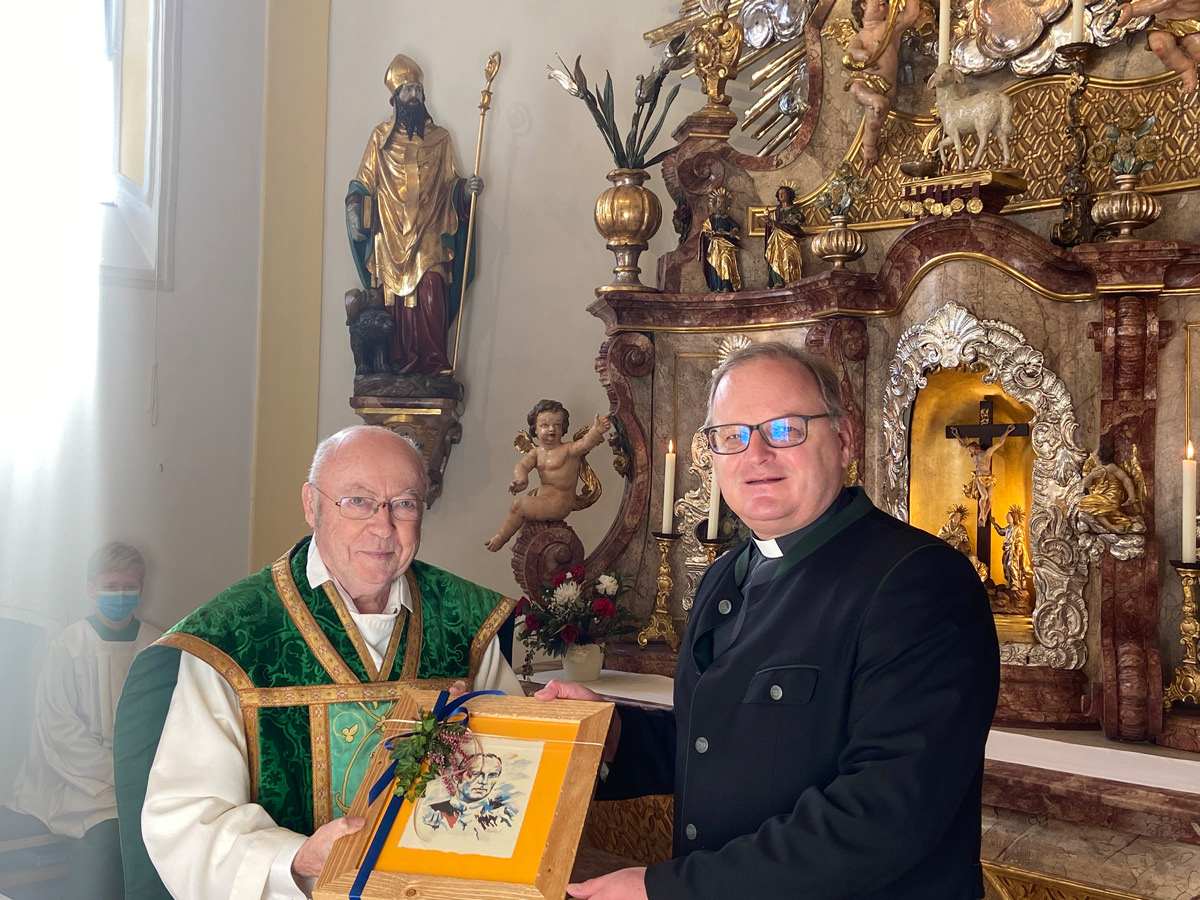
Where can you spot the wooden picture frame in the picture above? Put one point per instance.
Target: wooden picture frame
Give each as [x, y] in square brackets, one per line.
[552, 752]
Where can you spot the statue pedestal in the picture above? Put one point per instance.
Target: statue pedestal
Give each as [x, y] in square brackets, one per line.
[985, 190]
[431, 423]
[707, 123]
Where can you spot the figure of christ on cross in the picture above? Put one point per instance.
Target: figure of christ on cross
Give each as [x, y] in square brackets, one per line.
[977, 440]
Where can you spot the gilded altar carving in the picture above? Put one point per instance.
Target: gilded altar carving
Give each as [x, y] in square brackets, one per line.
[1037, 142]
[692, 509]
[638, 829]
[1109, 514]
[1009, 883]
[954, 338]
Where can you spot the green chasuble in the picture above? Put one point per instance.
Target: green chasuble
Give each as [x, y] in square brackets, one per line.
[312, 700]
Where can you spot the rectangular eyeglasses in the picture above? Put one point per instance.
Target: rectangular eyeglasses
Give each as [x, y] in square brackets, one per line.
[403, 509]
[786, 431]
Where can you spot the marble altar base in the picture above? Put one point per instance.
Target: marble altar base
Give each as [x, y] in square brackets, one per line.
[1181, 728]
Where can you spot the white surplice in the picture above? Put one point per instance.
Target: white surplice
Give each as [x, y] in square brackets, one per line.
[67, 777]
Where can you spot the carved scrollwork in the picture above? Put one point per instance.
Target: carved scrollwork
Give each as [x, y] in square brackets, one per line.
[543, 550]
[622, 358]
[951, 338]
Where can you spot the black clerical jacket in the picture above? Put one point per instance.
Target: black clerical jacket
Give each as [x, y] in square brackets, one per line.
[835, 749]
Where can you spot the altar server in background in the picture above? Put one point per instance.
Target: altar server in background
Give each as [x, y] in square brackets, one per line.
[67, 778]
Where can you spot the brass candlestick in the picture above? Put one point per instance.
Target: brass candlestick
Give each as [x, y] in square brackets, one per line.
[710, 548]
[1186, 684]
[660, 624]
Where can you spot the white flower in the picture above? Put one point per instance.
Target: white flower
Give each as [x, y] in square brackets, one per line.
[567, 592]
[607, 584]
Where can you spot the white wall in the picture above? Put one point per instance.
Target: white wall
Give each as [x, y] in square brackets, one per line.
[180, 487]
[527, 332]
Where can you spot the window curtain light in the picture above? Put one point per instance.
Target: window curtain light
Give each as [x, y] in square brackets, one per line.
[56, 164]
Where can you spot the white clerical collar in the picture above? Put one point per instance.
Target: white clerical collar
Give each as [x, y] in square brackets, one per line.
[318, 573]
[769, 549]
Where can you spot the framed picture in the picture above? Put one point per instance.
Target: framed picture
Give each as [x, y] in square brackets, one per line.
[509, 828]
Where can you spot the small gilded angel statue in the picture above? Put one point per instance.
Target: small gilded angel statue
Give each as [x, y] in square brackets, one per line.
[560, 466]
[1111, 500]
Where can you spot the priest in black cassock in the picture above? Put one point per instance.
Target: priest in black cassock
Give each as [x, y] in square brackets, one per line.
[835, 684]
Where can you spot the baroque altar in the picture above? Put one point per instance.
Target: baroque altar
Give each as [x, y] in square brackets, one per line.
[947, 300]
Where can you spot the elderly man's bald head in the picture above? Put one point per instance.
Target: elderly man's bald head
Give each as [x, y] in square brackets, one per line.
[328, 447]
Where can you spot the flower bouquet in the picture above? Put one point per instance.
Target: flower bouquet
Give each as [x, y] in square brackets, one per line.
[1128, 147]
[572, 611]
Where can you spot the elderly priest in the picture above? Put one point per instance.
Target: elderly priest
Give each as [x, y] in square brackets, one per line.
[244, 733]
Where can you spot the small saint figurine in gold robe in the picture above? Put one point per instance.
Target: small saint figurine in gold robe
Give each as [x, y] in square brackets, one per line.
[1014, 559]
[1173, 36]
[1109, 501]
[719, 244]
[954, 533]
[559, 464]
[783, 233]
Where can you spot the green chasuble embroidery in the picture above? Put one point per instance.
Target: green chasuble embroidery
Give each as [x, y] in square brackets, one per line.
[312, 705]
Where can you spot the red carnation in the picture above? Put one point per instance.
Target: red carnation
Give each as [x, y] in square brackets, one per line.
[604, 608]
[559, 579]
[522, 607]
[569, 633]
[532, 622]
[576, 573]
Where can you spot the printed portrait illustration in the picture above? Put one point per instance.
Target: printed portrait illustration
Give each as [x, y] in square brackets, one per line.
[482, 812]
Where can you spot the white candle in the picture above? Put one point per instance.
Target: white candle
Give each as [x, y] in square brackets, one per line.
[714, 506]
[1189, 506]
[668, 489]
[1076, 21]
[943, 32]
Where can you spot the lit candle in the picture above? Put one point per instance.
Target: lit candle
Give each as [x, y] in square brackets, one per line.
[1076, 21]
[668, 489]
[714, 506]
[1189, 506]
[943, 32]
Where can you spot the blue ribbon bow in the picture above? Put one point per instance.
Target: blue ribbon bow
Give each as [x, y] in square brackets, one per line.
[444, 710]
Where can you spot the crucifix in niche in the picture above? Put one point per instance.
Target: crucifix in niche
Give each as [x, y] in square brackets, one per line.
[982, 440]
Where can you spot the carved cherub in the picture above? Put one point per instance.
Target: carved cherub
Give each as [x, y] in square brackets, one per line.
[1173, 36]
[560, 465]
[873, 58]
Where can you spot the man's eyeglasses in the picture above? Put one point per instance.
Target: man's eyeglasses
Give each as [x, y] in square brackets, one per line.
[786, 431]
[403, 509]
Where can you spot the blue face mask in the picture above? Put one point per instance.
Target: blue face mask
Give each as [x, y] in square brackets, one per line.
[116, 605]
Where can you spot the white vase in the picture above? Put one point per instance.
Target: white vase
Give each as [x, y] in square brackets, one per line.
[583, 662]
